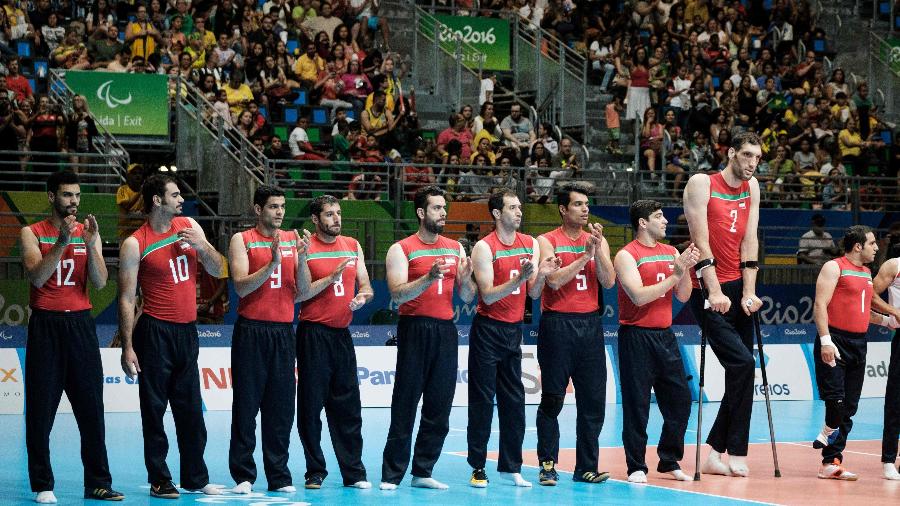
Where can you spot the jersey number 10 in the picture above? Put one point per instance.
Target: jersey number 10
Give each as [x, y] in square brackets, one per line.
[179, 268]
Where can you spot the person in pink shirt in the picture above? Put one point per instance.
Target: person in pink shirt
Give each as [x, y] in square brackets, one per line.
[457, 130]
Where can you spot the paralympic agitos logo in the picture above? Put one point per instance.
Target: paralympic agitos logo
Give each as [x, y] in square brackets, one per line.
[105, 94]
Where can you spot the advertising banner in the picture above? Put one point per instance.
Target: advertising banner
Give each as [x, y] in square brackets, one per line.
[488, 35]
[126, 104]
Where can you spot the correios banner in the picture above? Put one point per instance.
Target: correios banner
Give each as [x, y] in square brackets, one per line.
[488, 35]
[126, 104]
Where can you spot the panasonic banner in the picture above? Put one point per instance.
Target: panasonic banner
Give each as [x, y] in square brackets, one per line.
[126, 104]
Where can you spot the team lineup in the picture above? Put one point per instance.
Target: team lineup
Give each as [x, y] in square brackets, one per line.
[272, 269]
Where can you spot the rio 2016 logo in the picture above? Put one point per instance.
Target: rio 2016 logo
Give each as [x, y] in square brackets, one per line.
[104, 94]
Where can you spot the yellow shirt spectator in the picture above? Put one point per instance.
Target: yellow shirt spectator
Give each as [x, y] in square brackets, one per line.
[696, 8]
[307, 69]
[238, 98]
[849, 143]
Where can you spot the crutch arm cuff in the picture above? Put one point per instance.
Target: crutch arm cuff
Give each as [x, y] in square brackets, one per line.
[749, 264]
[703, 264]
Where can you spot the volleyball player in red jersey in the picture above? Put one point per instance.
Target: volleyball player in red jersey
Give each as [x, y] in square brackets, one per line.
[422, 272]
[161, 257]
[570, 338]
[333, 283]
[649, 272]
[842, 312]
[60, 255]
[722, 211]
[263, 265]
[504, 264]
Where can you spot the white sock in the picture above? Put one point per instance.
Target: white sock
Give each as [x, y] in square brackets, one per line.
[428, 483]
[208, 489]
[244, 487]
[515, 479]
[45, 497]
[679, 475]
[362, 485]
[387, 486]
[738, 466]
[890, 471]
[287, 489]
[714, 465]
[637, 477]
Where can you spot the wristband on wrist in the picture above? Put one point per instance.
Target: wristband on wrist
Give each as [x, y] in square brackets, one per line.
[826, 340]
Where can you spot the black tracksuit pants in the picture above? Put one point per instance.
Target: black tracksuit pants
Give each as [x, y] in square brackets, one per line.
[327, 364]
[62, 354]
[495, 367]
[167, 353]
[730, 336]
[842, 382]
[427, 365]
[263, 379]
[892, 405]
[650, 358]
[571, 345]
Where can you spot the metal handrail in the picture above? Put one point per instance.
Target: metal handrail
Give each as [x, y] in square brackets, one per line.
[463, 49]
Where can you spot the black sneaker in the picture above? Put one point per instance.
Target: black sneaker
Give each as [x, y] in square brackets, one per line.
[479, 479]
[591, 477]
[103, 494]
[314, 482]
[164, 489]
[548, 475]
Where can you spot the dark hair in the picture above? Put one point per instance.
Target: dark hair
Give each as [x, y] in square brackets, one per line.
[642, 209]
[855, 235]
[420, 200]
[262, 194]
[746, 137]
[378, 94]
[484, 107]
[818, 219]
[318, 204]
[60, 178]
[495, 202]
[563, 194]
[154, 186]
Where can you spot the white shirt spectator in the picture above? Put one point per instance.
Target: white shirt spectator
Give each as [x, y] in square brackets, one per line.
[487, 87]
[815, 246]
[682, 100]
[298, 136]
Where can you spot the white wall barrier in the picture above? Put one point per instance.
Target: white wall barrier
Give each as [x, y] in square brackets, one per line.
[789, 367]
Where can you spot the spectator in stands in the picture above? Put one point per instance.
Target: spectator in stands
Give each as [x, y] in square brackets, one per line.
[80, 132]
[330, 87]
[226, 56]
[129, 202]
[486, 115]
[16, 82]
[545, 137]
[651, 140]
[43, 126]
[816, 245]
[804, 158]
[52, 33]
[456, 131]
[638, 72]
[380, 122]
[701, 153]
[567, 159]
[366, 13]
[104, 45]
[613, 108]
[122, 61]
[142, 36]
[486, 92]
[325, 21]
[239, 94]
[851, 146]
[418, 175]
[274, 83]
[538, 152]
[308, 66]
[518, 131]
[357, 86]
[467, 115]
[71, 54]
[837, 84]
[12, 129]
[301, 149]
[481, 145]
[834, 193]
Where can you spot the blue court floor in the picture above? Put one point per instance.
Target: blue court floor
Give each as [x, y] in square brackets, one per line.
[796, 421]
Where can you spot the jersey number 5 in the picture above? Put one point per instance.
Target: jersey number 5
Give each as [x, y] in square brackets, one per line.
[581, 281]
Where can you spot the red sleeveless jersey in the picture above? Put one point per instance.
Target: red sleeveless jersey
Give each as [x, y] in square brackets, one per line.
[66, 289]
[654, 265]
[332, 305]
[580, 294]
[167, 275]
[507, 262]
[273, 301]
[849, 306]
[726, 220]
[437, 300]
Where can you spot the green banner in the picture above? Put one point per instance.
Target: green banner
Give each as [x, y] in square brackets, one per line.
[488, 35]
[126, 104]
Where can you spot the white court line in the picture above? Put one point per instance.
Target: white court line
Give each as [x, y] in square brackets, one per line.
[845, 450]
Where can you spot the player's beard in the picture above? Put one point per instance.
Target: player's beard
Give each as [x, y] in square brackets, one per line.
[63, 211]
[432, 226]
[332, 231]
